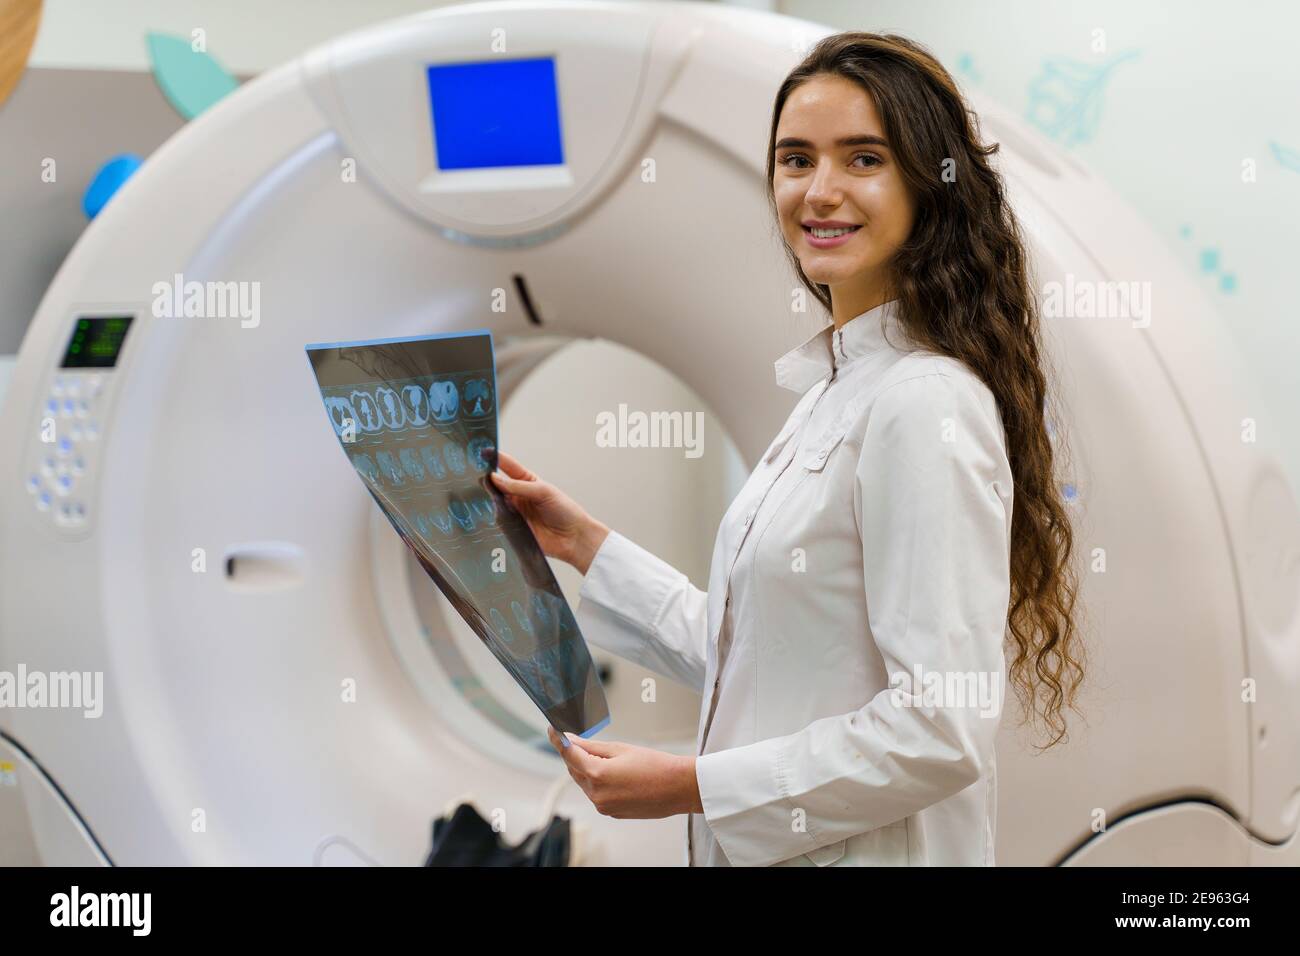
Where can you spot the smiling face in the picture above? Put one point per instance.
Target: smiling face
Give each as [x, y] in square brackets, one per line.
[834, 166]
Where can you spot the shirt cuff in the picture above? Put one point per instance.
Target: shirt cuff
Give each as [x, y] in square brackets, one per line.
[744, 794]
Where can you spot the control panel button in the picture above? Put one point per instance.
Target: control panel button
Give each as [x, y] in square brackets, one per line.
[43, 501]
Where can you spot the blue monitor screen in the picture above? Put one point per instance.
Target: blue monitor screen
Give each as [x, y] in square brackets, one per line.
[496, 113]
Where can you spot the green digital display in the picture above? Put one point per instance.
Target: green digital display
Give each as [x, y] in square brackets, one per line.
[96, 341]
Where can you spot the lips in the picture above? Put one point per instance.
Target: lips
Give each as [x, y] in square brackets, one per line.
[838, 238]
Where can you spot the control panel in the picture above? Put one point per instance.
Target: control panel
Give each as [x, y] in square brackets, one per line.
[60, 466]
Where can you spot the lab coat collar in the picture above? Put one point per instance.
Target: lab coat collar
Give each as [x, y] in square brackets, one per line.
[825, 351]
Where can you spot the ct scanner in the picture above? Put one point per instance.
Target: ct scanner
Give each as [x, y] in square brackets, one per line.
[221, 689]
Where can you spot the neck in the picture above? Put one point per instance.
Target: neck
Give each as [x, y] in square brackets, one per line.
[848, 305]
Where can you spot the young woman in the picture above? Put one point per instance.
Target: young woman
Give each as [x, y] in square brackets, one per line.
[850, 648]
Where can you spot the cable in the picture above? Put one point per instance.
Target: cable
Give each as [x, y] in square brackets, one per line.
[36, 766]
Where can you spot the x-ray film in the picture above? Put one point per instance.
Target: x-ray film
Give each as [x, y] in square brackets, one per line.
[417, 417]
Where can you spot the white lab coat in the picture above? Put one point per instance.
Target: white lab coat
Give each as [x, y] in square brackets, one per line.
[872, 539]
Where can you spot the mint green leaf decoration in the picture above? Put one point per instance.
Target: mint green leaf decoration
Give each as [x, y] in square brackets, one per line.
[190, 80]
[1065, 98]
[1289, 158]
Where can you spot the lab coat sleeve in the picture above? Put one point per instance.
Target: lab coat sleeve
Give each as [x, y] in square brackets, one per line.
[641, 608]
[934, 515]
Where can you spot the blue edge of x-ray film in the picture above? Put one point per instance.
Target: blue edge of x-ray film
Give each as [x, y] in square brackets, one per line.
[311, 346]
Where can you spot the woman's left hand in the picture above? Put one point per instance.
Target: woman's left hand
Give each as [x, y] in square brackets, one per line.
[630, 782]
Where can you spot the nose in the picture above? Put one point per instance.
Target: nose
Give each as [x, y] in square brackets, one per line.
[823, 187]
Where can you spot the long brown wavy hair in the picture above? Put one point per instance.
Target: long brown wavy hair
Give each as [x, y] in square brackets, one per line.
[963, 290]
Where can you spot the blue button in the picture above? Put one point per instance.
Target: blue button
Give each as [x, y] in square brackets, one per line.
[52, 406]
[67, 406]
[65, 445]
[43, 501]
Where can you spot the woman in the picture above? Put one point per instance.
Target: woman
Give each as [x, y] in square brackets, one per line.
[851, 642]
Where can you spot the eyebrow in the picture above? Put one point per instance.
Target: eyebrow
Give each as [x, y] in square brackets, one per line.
[865, 139]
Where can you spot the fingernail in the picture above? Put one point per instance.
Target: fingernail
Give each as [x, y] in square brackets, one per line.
[565, 741]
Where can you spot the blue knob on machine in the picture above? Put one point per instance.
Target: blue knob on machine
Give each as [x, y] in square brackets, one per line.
[108, 181]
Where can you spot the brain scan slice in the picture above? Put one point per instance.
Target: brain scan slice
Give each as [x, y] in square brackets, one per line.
[367, 411]
[485, 509]
[391, 411]
[443, 522]
[411, 464]
[541, 611]
[444, 401]
[460, 511]
[342, 415]
[415, 400]
[455, 458]
[478, 398]
[478, 448]
[388, 467]
[433, 462]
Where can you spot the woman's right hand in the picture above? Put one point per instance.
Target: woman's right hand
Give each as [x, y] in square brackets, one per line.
[561, 526]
